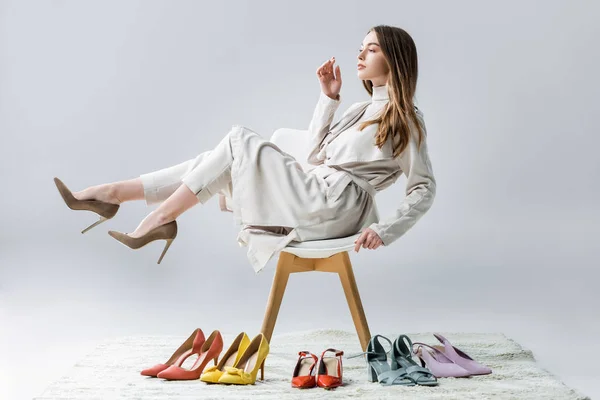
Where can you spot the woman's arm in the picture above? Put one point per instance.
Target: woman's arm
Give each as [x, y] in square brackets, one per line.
[320, 124]
[420, 192]
[329, 101]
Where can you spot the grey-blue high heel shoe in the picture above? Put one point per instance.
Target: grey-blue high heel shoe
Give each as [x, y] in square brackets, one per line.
[402, 361]
[378, 369]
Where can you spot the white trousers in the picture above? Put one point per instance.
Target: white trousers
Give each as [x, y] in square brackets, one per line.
[205, 175]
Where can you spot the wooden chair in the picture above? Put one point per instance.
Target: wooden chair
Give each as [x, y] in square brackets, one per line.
[330, 255]
[339, 263]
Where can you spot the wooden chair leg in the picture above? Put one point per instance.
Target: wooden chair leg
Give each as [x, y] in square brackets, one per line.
[282, 274]
[354, 303]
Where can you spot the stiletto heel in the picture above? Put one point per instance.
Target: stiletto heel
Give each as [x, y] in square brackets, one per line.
[262, 371]
[104, 209]
[169, 241]
[167, 232]
[101, 220]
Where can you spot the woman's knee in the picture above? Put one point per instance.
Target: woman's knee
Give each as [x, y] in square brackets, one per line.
[239, 129]
[236, 129]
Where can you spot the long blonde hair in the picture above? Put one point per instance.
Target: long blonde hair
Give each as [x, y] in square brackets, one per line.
[395, 120]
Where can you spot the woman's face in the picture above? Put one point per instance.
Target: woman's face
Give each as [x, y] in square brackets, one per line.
[372, 59]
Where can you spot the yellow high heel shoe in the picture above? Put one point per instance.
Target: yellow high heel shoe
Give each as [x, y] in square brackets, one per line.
[105, 210]
[229, 359]
[167, 232]
[245, 370]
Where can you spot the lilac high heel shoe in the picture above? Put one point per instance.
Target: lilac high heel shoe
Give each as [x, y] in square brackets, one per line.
[439, 365]
[460, 357]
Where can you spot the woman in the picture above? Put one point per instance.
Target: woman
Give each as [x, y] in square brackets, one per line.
[272, 196]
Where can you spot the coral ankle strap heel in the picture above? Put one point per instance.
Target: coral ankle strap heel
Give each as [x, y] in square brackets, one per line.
[304, 373]
[329, 373]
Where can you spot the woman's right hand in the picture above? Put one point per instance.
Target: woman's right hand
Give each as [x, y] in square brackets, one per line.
[330, 84]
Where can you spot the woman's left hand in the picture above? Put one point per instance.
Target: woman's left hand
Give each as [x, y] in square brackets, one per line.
[369, 239]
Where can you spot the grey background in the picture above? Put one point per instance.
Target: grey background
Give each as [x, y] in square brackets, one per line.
[94, 92]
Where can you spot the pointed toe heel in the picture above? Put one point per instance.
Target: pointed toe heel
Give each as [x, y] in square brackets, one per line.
[440, 365]
[304, 372]
[246, 368]
[104, 209]
[229, 359]
[167, 232]
[330, 370]
[460, 357]
[190, 346]
[209, 351]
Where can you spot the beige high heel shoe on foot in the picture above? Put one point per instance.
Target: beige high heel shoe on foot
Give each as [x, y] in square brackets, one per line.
[167, 232]
[102, 208]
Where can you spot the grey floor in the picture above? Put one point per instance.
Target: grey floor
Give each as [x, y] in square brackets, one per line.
[60, 298]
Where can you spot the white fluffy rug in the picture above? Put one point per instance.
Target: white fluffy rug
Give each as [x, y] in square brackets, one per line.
[112, 371]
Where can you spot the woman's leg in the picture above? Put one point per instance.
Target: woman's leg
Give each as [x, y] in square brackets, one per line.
[115, 192]
[204, 176]
[154, 187]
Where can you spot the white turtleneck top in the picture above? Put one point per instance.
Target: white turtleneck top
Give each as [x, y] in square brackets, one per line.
[355, 151]
[381, 172]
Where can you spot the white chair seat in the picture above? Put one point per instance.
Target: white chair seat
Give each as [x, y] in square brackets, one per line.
[321, 248]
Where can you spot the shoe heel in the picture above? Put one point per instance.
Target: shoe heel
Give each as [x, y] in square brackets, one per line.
[262, 371]
[169, 241]
[371, 374]
[101, 220]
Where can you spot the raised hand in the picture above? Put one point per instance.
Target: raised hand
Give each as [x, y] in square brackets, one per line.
[330, 83]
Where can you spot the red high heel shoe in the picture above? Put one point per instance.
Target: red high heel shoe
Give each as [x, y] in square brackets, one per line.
[329, 374]
[210, 350]
[303, 377]
[191, 346]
